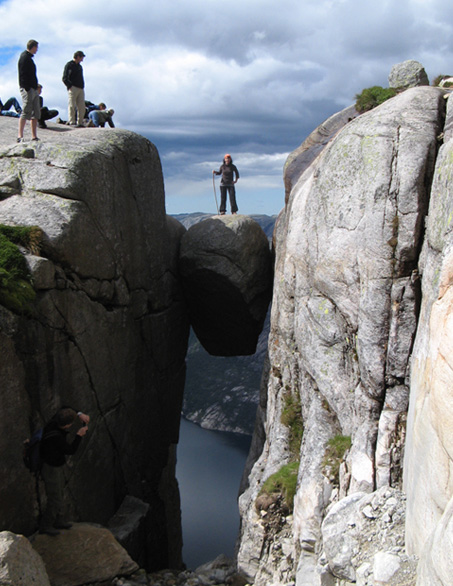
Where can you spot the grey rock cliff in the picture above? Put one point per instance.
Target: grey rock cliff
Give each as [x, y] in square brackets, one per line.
[108, 330]
[344, 317]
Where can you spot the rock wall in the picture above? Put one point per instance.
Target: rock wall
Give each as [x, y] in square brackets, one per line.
[344, 316]
[429, 447]
[107, 333]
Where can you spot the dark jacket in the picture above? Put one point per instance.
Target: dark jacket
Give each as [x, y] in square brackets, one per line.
[27, 72]
[54, 445]
[73, 75]
[227, 172]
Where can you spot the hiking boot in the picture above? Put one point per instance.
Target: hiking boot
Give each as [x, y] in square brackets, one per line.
[63, 525]
[49, 531]
[42, 125]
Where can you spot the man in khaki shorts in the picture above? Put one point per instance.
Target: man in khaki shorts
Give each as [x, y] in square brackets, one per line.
[75, 84]
[28, 85]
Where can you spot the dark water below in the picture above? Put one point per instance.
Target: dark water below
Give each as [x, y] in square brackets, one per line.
[209, 470]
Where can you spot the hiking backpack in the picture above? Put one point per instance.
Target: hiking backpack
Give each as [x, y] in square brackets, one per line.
[32, 452]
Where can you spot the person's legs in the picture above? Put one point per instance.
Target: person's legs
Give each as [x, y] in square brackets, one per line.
[27, 111]
[80, 103]
[94, 117]
[54, 484]
[223, 194]
[12, 103]
[72, 105]
[233, 204]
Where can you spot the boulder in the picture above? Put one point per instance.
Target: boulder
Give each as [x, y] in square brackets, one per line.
[82, 555]
[20, 564]
[226, 268]
[408, 74]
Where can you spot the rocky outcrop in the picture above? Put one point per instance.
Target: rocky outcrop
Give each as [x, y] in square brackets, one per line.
[226, 268]
[363, 539]
[20, 564]
[344, 316]
[107, 332]
[408, 74]
[83, 555]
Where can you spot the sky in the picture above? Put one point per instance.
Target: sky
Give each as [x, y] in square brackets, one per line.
[203, 78]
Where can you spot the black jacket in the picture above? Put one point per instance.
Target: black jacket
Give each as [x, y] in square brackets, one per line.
[227, 172]
[73, 75]
[54, 445]
[27, 71]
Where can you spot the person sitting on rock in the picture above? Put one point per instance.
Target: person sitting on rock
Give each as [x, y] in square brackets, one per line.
[46, 114]
[101, 116]
[5, 109]
[54, 449]
[228, 172]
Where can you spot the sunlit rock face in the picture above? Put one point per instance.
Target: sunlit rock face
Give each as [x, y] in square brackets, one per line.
[344, 316]
[108, 330]
[429, 447]
[226, 269]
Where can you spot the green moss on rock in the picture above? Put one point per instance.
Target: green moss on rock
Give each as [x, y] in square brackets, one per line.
[16, 290]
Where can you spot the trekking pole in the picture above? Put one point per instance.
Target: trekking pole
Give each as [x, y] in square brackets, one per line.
[215, 194]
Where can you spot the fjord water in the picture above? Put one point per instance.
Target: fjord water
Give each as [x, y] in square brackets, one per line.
[209, 470]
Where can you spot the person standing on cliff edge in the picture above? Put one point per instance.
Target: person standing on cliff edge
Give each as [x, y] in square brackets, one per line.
[75, 84]
[28, 85]
[230, 175]
[54, 448]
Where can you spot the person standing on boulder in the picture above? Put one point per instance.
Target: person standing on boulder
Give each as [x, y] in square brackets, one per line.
[28, 84]
[75, 84]
[54, 449]
[230, 175]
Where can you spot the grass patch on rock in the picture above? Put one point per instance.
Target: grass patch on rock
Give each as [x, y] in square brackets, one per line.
[283, 483]
[371, 97]
[336, 448]
[16, 290]
[291, 417]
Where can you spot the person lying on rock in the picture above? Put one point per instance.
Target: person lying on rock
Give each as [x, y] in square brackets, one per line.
[5, 109]
[230, 175]
[46, 114]
[54, 449]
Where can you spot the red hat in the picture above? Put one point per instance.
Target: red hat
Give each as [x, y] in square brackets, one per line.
[227, 155]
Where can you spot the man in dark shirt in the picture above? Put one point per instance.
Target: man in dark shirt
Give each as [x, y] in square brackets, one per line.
[28, 84]
[75, 84]
[230, 175]
[54, 449]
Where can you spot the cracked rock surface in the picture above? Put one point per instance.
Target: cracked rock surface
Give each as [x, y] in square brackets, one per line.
[108, 330]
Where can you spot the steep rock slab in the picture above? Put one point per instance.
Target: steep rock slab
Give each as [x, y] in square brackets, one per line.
[344, 312]
[428, 478]
[108, 330]
[300, 159]
[20, 564]
[83, 555]
[226, 267]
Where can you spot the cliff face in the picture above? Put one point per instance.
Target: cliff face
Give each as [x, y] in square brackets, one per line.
[345, 311]
[108, 331]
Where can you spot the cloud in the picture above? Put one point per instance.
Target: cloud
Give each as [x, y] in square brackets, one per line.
[200, 78]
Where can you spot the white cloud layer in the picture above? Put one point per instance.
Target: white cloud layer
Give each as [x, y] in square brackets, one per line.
[201, 78]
